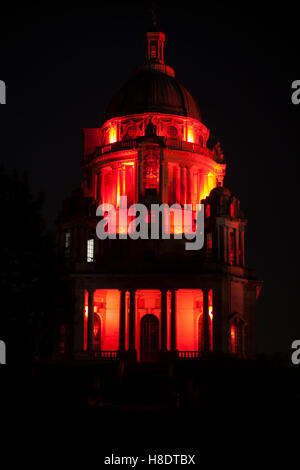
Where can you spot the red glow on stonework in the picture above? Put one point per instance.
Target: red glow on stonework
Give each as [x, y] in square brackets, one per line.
[116, 181]
[189, 319]
[112, 135]
[127, 311]
[190, 135]
[169, 320]
[85, 319]
[107, 316]
[231, 247]
[233, 339]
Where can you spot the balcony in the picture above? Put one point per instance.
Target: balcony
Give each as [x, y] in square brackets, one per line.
[170, 354]
[175, 144]
[105, 354]
[189, 354]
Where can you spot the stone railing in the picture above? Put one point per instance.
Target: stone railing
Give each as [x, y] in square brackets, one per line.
[175, 144]
[106, 354]
[189, 354]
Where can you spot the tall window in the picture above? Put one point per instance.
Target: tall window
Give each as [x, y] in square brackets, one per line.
[232, 247]
[209, 245]
[90, 250]
[153, 49]
[231, 210]
[235, 339]
[67, 244]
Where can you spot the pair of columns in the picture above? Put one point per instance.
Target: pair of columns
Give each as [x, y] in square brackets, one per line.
[239, 258]
[185, 185]
[132, 321]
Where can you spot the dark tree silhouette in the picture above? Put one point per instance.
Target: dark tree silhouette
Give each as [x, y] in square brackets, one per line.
[27, 272]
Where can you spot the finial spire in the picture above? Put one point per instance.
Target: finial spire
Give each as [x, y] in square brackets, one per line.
[154, 16]
[154, 40]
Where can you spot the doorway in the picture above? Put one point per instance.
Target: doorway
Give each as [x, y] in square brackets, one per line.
[149, 338]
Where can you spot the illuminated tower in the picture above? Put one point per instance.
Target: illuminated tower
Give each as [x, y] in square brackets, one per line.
[153, 299]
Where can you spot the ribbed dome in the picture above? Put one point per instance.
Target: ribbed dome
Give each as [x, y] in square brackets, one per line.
[153, 92]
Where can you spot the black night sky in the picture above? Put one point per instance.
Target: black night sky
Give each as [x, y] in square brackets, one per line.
[62, 64]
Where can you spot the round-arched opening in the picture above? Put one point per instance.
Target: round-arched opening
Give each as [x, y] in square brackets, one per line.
[149, 338]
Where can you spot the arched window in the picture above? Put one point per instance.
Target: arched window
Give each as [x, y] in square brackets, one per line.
[235, 339]
[236, 332]
[149, 337]
[172, 131]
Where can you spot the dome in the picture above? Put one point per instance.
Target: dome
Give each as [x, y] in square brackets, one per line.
[219, 191]
[151, 91]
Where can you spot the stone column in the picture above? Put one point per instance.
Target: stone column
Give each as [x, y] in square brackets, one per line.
[114, 183]
[237, 248]
[205, 320]
[132, 321]
[135, 193]
[242, 232]
[102, 188]
[163, 321]
[140, 177]
[176, 176]
[188, 186]
[99, 186]
[182, 185]
[173, 320]
[78, 332]
[122, 320]
[226, 245]
[217, 318]
[123, 181]
[166, 183]
[90, 335]
[161, 179]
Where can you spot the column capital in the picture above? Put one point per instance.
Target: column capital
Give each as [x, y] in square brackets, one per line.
[163, 319]
[132, 320]
[90, 339]
[122, 320]
[205, 291]
[173, 319]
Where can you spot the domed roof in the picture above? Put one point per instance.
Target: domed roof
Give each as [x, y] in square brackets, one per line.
[219, 191]
[151, 91]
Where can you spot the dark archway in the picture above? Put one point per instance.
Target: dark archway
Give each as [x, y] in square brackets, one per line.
[149, 338]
